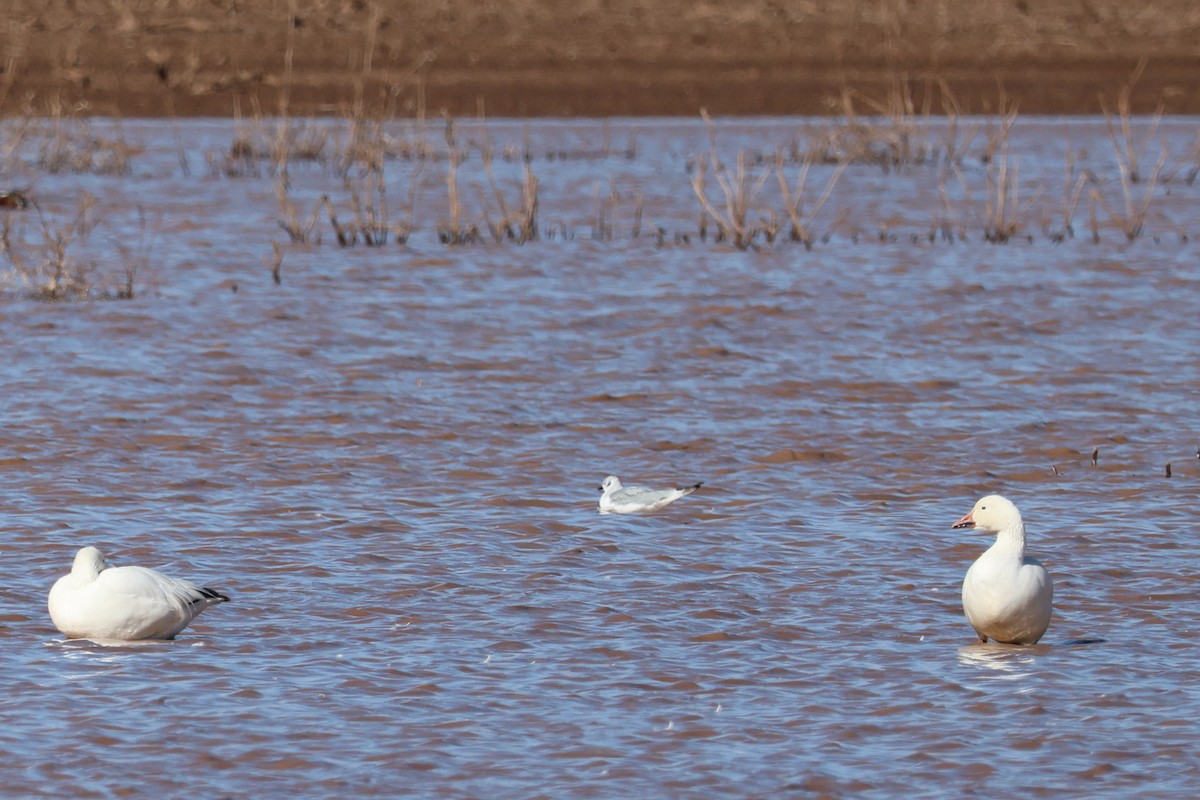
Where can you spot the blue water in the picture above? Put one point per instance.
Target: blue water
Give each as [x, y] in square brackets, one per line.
[390, 463]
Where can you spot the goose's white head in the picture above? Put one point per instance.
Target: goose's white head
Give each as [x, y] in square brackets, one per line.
[89, 561]
[611, 484]
[991, 514]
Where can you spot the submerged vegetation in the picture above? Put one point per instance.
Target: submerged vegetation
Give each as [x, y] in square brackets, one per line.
[369, 179]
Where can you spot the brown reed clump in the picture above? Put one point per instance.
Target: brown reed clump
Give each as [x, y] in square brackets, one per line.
[893, 133]
[47, 266]
[1074, 183]
[740, 190]
[456, 230]
[949, 222]
[606, 207]
[1130, 216]
[64, 143]
[135, 256]
[369, 224]
[516, 223]
[794, 199]
[298, 229]
[1005, 209]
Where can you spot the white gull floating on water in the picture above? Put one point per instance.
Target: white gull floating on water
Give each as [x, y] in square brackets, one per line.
[1006, 594]
[620, 499]
[101, 602]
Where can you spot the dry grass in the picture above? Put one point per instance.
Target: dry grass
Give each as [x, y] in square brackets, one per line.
[545, 44]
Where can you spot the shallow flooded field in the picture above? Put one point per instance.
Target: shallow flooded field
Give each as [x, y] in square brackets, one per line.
[389, 459]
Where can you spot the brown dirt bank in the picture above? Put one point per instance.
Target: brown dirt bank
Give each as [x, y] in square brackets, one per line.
[589, 57]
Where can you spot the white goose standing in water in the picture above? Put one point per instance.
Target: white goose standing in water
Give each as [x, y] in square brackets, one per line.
[98, 601]
[1006, 594]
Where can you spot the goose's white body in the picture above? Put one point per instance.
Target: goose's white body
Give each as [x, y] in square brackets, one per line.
[1007, 595]
[620, 499]
[96, 601]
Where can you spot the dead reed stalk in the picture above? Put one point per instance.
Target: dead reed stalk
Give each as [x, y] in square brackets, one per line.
[1120, 127]
[894, 134]
[1194, 166]
[135, 256]
[515, 224]
[67, 144]
[957, 140]
[298, 232]
[606, 207]
[1073, 185]
[369, 224]
[275, 264]
[793, 198]
[602, 227]
[1004, 209]
[1002, 198]
[372, 213]
[1131, 216]
[949, 222]
[455, 231]
[740, 191]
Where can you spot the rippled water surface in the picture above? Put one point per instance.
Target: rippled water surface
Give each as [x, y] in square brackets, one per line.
[390, 463]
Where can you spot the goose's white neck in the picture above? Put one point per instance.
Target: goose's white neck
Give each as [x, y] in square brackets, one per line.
[89, 563]
[1011, 536]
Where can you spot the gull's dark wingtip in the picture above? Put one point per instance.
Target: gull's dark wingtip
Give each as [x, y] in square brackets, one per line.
[214, 595]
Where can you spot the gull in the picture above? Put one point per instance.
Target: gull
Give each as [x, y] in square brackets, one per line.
[102, 602]
[1006, 594]
[620, 499]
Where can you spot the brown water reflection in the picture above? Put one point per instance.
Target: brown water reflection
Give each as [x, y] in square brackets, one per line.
[389, 463]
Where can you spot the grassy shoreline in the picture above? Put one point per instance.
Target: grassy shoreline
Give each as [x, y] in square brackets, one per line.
[139, 58]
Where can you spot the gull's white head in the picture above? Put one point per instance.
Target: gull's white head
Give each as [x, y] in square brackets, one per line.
[991, 514]
[611, 484]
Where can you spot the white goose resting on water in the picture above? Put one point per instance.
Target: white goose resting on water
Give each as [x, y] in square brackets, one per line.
[1006, 594]
[97, 601]
[620, 499]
